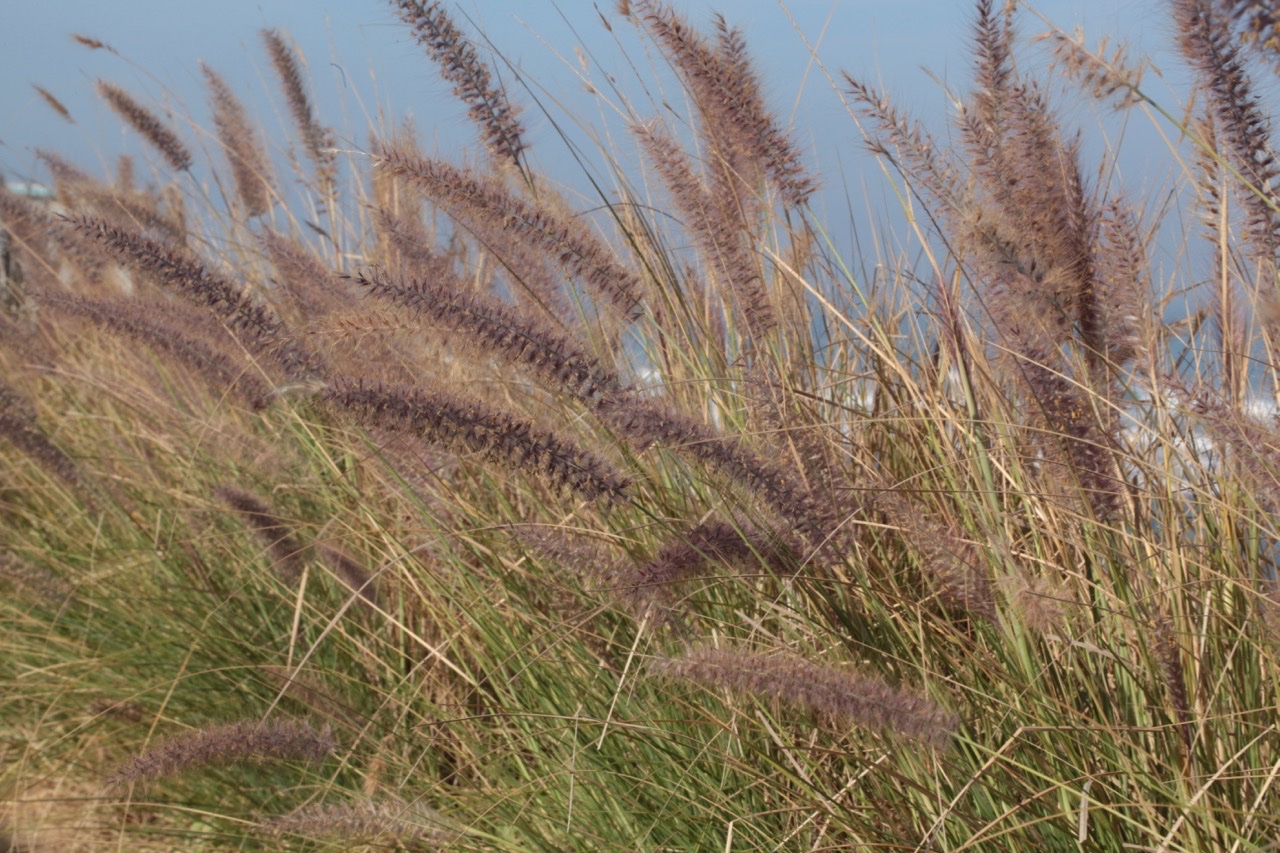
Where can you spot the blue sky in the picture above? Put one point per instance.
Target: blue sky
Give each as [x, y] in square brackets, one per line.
[363, 63]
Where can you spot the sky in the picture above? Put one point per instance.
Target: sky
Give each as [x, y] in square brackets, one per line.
[367, 72]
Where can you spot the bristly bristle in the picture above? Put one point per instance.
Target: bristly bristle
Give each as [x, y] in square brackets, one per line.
[952, 566]
[54, 104]
[18, 425]
[1243, 129]
[1168, 654]
[43, 240]
[1107, 76]
[1123, 300]
[306, 284]
[125, 177]
[65, 173]
[91, 42]
[930, 165]
[1257, 25]
[261, 330]
[30, 579]
[1254, 444]
[636, 496]
[408, 250]
[710, 547]
[643, 422]
[369, 822]
[142, 210]
[1078, 439]
[166, 328]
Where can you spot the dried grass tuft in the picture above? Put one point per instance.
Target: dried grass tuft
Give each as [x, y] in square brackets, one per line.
[472, 81]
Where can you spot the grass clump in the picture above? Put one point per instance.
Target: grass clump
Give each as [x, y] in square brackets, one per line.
[473, 520]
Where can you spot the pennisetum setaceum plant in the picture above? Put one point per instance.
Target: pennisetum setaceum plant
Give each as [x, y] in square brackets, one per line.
[425, 508]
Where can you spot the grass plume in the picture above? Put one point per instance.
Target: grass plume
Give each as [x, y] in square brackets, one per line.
[244, 153]
[317, 140]
[257, 325]
[838, 694]
[372, 822]
[148, 126]
[491, 110]
[250, 740]
[486, 202]
[726, 91]
[468, 425]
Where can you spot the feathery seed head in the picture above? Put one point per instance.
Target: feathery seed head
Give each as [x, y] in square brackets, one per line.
[147, 124]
